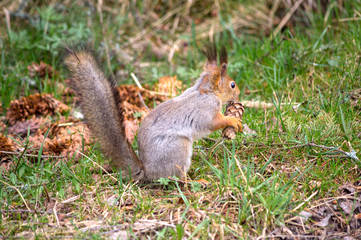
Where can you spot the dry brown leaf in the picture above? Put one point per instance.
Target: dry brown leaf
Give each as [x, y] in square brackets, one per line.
[132, 115]
[132, 111]
[180, 201]
[348, 207]
[41, 70]
[169, 85]
[203, 182]
[131, 128]
[304, 216]
[6, 144]
[129, 93]
[37, 104]
[327, 216]
[125, 208]
[324, 222]
[2, 126]
[248, 130]
[64, 138]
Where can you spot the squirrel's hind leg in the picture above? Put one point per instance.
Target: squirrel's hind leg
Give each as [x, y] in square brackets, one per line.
[171, 158]
[182, 156]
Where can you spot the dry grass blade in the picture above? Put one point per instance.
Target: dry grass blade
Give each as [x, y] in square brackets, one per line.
[21, 196]
[305, 201]
[7, 19]
[286, 18]
[111, 176]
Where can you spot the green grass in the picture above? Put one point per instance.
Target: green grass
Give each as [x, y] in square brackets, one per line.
[255, 182]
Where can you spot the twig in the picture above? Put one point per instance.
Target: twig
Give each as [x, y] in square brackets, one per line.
[142, 101]
[136, 80]
[351, 154]
[286, 236]
[140, 87]
[330, 199]
[18, 192]
[55, 214]
[275, 6]
[286, 18]
[32, 211]
[261, 104]
[31, 155]
[307, 200]
[46, 192]
[70, 199]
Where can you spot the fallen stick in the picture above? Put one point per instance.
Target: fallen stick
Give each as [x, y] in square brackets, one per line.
[351, 154]
[262, 104]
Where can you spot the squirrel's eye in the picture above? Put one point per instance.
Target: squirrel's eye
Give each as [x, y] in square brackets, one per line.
[233, 84]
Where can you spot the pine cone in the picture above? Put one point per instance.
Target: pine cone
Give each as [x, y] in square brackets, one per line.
[5, 145]
[41, 70]
[37, 104]
[233, 109]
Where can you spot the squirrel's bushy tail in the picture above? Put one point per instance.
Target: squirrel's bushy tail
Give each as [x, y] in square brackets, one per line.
[100, 101]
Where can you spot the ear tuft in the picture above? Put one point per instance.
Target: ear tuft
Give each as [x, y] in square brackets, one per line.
[211, 53]
[223, 58]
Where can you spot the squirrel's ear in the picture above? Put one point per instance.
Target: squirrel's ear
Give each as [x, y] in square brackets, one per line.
[223, 60]
[214, 79]
[223, 69]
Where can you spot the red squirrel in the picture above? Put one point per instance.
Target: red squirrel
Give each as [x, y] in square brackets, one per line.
[167, 133]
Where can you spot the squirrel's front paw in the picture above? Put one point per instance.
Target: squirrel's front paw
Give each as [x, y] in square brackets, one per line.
[236, 123]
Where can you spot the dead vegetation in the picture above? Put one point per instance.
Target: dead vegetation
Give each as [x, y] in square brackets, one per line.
[143, 27]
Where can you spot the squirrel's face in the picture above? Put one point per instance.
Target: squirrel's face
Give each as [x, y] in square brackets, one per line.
[219, 82]
[217, 79]
[228, 89]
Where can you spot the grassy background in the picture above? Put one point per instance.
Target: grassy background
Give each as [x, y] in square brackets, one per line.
[255, 182]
